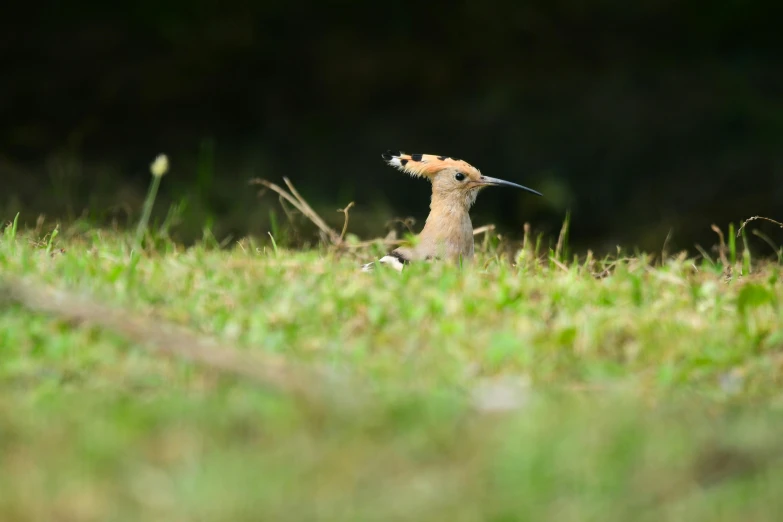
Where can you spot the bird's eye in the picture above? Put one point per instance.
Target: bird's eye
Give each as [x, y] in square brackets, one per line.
[460, 176]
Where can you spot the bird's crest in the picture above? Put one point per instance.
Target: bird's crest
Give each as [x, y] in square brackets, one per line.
[427, 165]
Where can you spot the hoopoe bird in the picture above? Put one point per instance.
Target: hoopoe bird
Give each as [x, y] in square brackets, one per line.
[448, 231]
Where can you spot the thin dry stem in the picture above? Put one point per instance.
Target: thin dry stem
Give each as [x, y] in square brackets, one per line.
[483, 229]
[559, 265]
[312, 214]
[722, 247]
[704, 254]
[561, 239]
[280, 191]
[301, 205]
[754, 218]
[766, 239]
[665, 247]
[407, 223]
[607, 271]
[345, 223]
[371, 242]
[288, 213]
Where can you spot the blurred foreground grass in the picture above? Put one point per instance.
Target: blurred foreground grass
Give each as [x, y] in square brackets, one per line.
[622, 391]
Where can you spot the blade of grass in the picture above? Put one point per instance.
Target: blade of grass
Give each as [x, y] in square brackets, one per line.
[778, 251]
[746, 258]
[274, 244]
[732, 245]
[10, 230]
[561, 249]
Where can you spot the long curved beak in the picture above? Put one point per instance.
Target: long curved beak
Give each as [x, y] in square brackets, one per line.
[494, 182]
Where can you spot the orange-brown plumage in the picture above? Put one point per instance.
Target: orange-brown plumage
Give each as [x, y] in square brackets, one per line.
[427, 165]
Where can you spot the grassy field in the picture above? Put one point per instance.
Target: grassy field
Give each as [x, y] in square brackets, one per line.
[258, 383]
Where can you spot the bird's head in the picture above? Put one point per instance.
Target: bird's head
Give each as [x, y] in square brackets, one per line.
[451, 178]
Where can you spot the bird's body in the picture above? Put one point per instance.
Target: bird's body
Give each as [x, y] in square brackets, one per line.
[448, 231]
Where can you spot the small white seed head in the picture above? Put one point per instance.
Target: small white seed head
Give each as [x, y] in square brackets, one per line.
[160, 166]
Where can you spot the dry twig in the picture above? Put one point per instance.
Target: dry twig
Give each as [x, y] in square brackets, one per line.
[754, 218]
[558, 264]
[345, 223]
[722, 246]
[301, 205]
[481, 230]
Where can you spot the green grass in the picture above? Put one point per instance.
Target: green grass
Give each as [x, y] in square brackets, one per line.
[632, 390]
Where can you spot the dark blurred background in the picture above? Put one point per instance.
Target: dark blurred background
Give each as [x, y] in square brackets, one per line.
[642, 118]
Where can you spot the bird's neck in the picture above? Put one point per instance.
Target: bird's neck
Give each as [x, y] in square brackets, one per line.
[448, 228]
